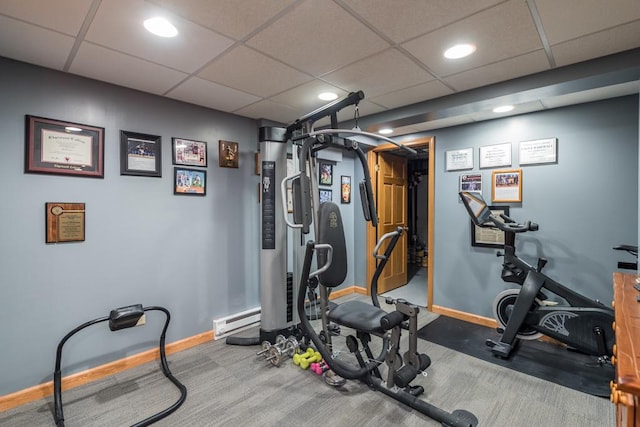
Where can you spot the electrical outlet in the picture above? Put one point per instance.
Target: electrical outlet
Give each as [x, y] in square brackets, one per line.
[142, 320]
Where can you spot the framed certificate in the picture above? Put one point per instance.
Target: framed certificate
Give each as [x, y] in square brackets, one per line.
[64, 148]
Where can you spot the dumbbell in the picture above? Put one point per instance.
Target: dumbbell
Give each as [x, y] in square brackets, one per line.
[319, 368]
[266, 345]
[307, 358]
[284, 347]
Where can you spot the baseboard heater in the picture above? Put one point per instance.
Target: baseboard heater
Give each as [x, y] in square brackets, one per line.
[235, 323]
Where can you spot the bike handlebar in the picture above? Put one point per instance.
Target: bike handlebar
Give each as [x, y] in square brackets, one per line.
[509, 225]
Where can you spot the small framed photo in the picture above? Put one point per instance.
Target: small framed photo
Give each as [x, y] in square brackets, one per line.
[325, 195]
[345, 189]
[325, 174]
[140, 154]
[471, 183]
[227, 154]
[489, 237]
[64, 148]
[192, 182]
[188, 152]
[506, 186]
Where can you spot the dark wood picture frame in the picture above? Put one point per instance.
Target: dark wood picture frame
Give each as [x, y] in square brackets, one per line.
[325, 173]
[345, 189]
[486, 237]
[228, 153]
[63, 148]
[188, 152]
[140, 154]
[189, 182]
[326, 195]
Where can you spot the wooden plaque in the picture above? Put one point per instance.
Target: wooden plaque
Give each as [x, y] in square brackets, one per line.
[64, 222]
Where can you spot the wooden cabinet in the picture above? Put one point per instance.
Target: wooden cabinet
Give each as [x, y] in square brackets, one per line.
[625, 390]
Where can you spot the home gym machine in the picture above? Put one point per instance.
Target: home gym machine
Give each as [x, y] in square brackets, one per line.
[121, 318]
[581, 323]
[366, 320]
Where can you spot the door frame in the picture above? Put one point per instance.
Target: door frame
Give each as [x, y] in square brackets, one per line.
[423, 142]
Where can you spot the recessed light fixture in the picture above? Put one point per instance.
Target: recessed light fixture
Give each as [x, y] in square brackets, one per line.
[459, 51]
[385, 131]
[160, 27]
[72, 129]
[503, 109]
[328, 96]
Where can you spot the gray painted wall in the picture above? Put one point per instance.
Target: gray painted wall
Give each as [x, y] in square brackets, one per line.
[196, 256]
[585, 204]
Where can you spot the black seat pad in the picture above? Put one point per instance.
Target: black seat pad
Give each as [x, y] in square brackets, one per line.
[358, 315]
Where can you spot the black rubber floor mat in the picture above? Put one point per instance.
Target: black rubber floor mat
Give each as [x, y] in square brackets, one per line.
[536, 358]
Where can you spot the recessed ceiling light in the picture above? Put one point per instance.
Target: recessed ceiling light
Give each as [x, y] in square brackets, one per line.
[503, 109]
[328, 96]
[160, 27]
[385, 131]
[459, 51]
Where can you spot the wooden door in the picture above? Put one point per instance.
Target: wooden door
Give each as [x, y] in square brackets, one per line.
[391, 192]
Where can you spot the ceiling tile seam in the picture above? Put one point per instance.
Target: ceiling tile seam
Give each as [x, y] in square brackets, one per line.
[533, 8]
[88, 19]
[424, 67]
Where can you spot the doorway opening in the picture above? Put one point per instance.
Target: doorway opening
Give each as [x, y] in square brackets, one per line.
[403, 190]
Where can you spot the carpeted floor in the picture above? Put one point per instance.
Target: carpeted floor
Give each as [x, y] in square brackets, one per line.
[540, 359]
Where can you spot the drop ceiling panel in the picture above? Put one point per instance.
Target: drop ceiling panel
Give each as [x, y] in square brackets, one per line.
[109, 66]
[304, 98]
[570, 19]
[487, 31]
[411, 18]
[66, 16]
[598, 44]
[499, 71]
[317, 37]
[233, 18]
[381, 73]
[246, 69]
[412, 95]
[28, 43]
[203, 92]
[268, 109]
[118, 25]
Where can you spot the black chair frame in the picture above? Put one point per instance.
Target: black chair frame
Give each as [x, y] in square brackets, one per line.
[120, 318]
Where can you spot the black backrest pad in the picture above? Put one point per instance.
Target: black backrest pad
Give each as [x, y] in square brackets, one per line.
[330, 231]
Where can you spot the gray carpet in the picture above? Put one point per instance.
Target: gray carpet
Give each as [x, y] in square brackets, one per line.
[229, 386]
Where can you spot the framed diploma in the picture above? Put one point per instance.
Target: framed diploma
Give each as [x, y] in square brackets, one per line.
[189, 153]
[140, 154]
[64, 148]
[64, 222]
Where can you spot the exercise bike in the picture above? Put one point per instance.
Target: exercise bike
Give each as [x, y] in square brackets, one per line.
[581, 323]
